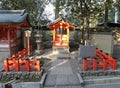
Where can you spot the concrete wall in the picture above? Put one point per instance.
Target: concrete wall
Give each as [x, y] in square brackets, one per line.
[116, 51]
[4, 53]
[27, 85]
[23, 85]
[103, 41]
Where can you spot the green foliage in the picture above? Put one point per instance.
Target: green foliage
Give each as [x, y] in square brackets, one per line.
[88, 13]
[57, 5]
[31, 7]
[79, 9]
[83, 12]
[95, 10]
[47, 35]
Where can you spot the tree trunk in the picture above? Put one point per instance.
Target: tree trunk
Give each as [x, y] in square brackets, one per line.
[57, 9]
[106, 15]
[117, 14]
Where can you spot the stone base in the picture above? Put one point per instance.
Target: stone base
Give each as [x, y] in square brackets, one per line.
[38, 52]
[60, 49]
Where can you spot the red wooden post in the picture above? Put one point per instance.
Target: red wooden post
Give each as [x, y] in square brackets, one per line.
[19, 54]
[84, 64]
[99, 53]
[24, 51]
[24, 64]
[15, 63]
[95, 64]
[35, 64]
[6, 65]
[105, 62]
[11, 63]
[114, 64]
[89, 64]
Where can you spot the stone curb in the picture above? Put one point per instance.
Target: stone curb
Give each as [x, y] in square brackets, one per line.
[82, 83]
[102, 80]
[19, 84]
[43, 80]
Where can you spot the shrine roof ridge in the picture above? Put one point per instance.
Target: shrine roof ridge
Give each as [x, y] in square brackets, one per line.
[57, 20]
[60, 18]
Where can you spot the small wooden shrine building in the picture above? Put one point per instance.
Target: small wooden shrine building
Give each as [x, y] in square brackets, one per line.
[11, 24]
[61, 30]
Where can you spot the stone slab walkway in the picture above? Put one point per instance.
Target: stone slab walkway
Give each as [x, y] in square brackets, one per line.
[61, 74]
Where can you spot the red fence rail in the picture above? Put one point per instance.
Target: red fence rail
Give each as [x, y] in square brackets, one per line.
[17, 62]
[102, 60]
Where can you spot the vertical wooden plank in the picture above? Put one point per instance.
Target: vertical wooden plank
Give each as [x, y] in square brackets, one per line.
[68, 36]
[54, 32]
[9, 40]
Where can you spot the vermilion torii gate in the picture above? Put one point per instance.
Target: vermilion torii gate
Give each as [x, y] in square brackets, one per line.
[61, 30]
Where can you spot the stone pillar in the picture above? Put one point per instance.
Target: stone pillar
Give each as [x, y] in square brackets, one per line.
[28, 35]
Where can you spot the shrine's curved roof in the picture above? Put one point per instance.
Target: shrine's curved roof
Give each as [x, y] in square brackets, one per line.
[57, 20]
[56, 24]
[12, 16]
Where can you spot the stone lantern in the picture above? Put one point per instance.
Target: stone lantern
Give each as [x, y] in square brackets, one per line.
[38, 41]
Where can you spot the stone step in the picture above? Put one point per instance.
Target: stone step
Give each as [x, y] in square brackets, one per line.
[61, 50]
[73, 86]
[63, 56]
[102, 80]
[61, 80]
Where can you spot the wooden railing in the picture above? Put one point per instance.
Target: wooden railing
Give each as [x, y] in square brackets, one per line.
[17, 62]
[102, 60]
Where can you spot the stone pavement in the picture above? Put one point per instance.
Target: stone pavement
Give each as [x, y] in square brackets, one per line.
[61, 74]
